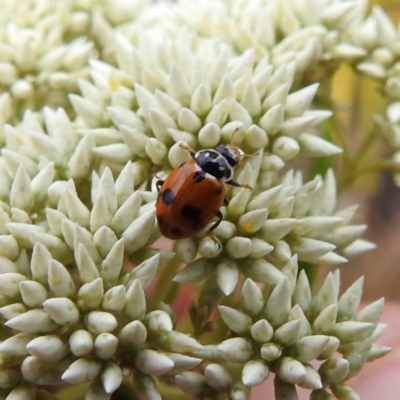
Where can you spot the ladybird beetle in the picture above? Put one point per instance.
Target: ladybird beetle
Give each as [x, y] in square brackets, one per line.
[194, 192]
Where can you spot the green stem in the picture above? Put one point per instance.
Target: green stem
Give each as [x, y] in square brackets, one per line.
[166, 289]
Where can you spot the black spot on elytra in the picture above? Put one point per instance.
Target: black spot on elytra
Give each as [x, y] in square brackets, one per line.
[168, 197]
[219, 190]
[176, 231]
[199, 176]
[160, 220]
[190, 212]
[198, 225]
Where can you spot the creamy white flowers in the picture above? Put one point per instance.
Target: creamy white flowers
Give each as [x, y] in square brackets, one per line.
[96, 100]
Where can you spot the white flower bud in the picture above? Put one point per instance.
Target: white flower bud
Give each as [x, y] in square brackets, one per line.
[285, 147]
[253, 221]
[168, 103]
[139, 231]
[16, 345]
[357, 247]
[321, 394]
[315, 146]
[217, 377]
[196, 271]
[227, 276]
[278, 305]
[98, 322]
[255, 137]
[88, 271]
[298, 102]
[114, 299]
[112, 264]
[32, 368]
[225, 90]
[262, 331]
[307, 248]
[271, 162]
[160, 123]
[201, 102]
[48, 348]
[81, 371]
[176, 342]
[111, 377]
[9, 283]
[158, 321]
[135, 302]
[378, 352]
[60, 280]
[344, 392]
[105, 346]
[262, 271]
[237, 204]
[225, 230]
[351, 331]
[270, 351]
[152, 362]
[236, 350]
[296, 313]
[371, 313]
[90, 295]
[251, 298]
[62, 310]
[288, 333]
[182, 363]
[32, 321]
[134, 139]
[189, 121]
[176, 154]
[100, 214]
[310, 347]
[116, 152]
[81, 343]
[12, 310]
[254, 373]
[277, 96]
[372, 70]
[237, 321]
[276, 229]
[132, 335]
[302, 293]
[14, 160]
[23, 392]
[156, 150]
[290, 370]
[219, 113]
[251, 100]
[21, 190]
[191, 383]
[312, 379]
[272, 121]
[292, 128]
[93, 114]
[209, 135]
[104, 239]
[186, 249]
[334, 369]
[208, 248]
[144, 272]
[9, 247]
[326, 319]
[127, 212]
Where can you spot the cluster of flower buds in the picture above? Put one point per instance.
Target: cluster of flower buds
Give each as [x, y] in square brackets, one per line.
[78, 193]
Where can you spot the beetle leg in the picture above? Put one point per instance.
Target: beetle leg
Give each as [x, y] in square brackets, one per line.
[159, 184]
[237, 184]
[210, 235]
[191, 151]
